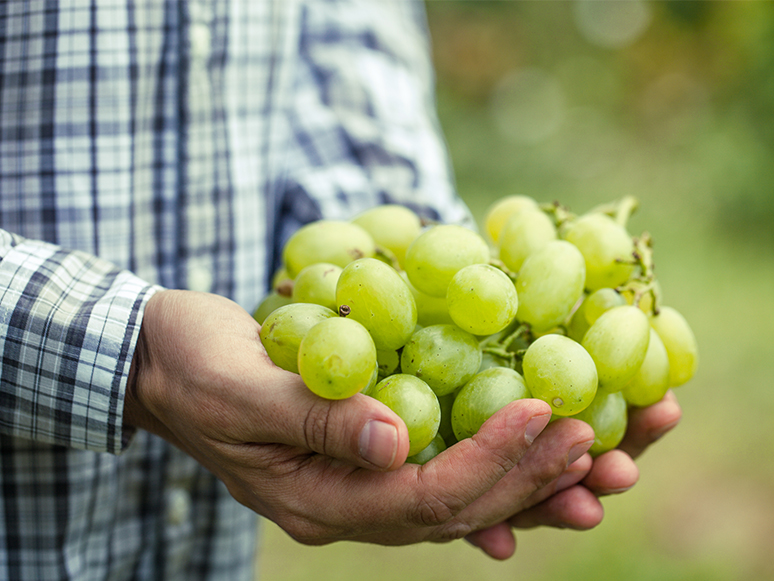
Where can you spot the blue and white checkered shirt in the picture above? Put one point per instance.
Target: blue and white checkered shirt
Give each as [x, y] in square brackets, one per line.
[148, 144]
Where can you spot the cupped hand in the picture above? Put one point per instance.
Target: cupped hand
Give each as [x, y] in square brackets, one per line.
[327, 470]
[572, 500]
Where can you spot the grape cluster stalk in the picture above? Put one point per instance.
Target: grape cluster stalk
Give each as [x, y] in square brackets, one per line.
[446, 326]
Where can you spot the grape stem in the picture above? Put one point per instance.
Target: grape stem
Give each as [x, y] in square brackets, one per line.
[560, 214]
[620, 210]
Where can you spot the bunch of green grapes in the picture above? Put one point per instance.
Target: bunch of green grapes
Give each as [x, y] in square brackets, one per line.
[447, 326]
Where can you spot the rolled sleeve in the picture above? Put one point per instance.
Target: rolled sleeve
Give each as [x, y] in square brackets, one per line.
[68, 326]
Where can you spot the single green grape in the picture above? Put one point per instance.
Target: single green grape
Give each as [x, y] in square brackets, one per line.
[430, 310]
[334, 241]
[415, 403]
[651, 382]
[392, 226]
[337, 358]
[270, 303]
[618, 343]
[436, 446]
[560, 371]
[577, 325]
[379, 299]
[316, 284]
[444, 356]
[680, 343]
[549, 285]
[388, 361]
[285, 327]
[445, 430]
[524, 233]
[601, 301]
[438, 253]
[486, 393]
[606, 247]
[481, 299]
[608, 416]
[499, 213]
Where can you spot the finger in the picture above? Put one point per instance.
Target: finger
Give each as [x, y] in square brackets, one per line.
[646, 425]
[562, 444]
[498, 541]
[612, 473]
[574, 508]
[407, 504]
[358, 430]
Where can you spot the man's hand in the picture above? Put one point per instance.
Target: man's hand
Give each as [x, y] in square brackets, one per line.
[329, 470]
[571, 501]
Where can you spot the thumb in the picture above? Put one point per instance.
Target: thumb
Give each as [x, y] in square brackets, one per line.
[359, 430]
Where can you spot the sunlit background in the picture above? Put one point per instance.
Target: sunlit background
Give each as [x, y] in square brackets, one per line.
[584, 102]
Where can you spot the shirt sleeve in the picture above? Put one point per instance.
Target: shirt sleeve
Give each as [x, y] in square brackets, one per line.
[68, 325]
[363, 118]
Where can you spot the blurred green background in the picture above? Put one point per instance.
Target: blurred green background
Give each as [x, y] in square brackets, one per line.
[584, 102]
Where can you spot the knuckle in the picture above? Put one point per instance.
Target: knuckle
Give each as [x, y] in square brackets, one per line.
[316, 427]
[432, 510]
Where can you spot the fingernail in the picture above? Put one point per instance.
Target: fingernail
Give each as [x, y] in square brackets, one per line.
[534, 426]
[379, 443]
[578, 450]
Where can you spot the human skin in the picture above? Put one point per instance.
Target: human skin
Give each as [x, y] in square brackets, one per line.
[333, 470]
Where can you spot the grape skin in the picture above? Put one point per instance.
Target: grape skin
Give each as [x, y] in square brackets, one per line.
[524, 233]
[481, 299]
[415, 403]
[608, 416]
[549, 284]
[392, 226]
[316, 284]
[606, 248]
[618, 343]
[561, 373]
[444, 356]
[334, 241]
[438, 253]
[499, 213]
[285, 327]
[486, 393]
[680, 343]
[379, 299]
[651, 382]
[337, 358]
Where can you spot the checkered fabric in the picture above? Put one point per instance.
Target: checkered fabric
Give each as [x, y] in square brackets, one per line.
[150, 144]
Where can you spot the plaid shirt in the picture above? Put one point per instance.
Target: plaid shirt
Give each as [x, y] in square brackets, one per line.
[149, 144]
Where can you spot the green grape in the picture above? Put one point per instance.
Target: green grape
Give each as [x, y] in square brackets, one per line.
[392, 226]
[444, 356]
[270, 303]
[524, 233]
[333, 241]
[368, 389]
[445, 430]
[379, 299]
[606, 247]
[489, 360]
[481, 299]
[337, 358]
[499, 213]
[436, 446]
[578, 325]
[388, 361]
[430, 310]
[438, 253]
[280, 276]
[316, 284]
[680, 343]
[601, 301]
[486, 393]
[283, 330]
[560, 371]
[549, 285]
[651, 382]
[618, 343]
[415, 403]
[608, 416]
